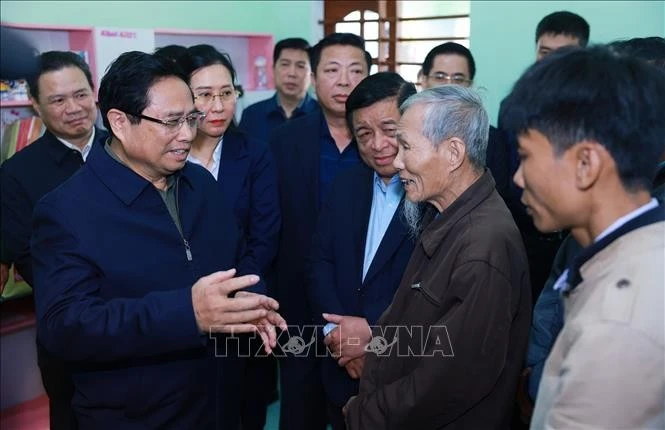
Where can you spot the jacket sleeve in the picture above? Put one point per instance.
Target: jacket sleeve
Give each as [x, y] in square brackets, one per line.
[16, 216]
[548, 316]
[478, 330]
[264, 218]
[321, 278]
[75, 323]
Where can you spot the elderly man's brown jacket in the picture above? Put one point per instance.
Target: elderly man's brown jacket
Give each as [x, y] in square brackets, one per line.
[467, 286]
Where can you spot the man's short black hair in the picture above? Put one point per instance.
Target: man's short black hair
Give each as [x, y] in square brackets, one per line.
[649, 49]
[564, 22]
[347, 39]
[128, 80]
[449, 48]
[290, 43]
[595, 94]
[375, 88]
[53, 61]
[172, 52]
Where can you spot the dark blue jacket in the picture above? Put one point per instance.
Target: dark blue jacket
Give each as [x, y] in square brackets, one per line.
[296, 149]
[113, 293]
[335, 275]
[247, 180]
[262, 118]
[24, 179]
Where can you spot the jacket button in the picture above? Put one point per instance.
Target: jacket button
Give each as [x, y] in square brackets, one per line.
[623, 283]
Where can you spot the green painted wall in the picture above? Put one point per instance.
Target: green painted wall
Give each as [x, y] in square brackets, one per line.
[503, 32]
[280, 18]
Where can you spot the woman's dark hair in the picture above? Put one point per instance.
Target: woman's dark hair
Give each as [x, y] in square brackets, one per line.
[199, 56]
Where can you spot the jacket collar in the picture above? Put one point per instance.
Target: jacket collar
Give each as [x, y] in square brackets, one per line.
[649, 217]
[126, 184]
[438, 229]
[59, 151]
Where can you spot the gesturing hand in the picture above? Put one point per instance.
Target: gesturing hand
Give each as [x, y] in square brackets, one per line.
[215, 311]
[266, 326]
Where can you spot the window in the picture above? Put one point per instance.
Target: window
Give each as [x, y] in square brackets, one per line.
[399, 34]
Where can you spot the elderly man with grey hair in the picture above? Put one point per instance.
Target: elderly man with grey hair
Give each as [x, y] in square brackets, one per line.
[448, 351]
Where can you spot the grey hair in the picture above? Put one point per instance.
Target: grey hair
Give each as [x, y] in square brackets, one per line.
[454, 111]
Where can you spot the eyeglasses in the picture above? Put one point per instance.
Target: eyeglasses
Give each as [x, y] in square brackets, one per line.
[443, 78]
[206, 98]
[174, 124]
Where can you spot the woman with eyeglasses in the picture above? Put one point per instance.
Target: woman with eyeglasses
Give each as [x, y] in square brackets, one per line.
[247, 180]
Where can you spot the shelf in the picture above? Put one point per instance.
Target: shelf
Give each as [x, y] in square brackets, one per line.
[15, 103]
[101, 48]
[243, 48]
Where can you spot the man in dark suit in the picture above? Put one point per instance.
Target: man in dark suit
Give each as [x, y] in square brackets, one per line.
[292, 71]
[362, 244]
[128, 257]
[309, 153]
[62, 94]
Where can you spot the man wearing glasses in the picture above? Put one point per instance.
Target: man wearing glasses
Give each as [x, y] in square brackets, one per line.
[63, 96]
[452, 63]
[133, 263]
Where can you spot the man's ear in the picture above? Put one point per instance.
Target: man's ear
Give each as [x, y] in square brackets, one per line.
[36, 107]
[590, 159]
[456, 152]
[119, 123]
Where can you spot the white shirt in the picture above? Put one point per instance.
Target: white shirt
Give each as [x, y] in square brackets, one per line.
[86, 149]
[216, 156]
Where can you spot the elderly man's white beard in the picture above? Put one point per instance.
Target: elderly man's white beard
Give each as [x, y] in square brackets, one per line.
[413, 216]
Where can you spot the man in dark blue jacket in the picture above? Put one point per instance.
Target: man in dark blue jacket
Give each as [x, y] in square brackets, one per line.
[63, 96]
[128, 257]
[309, 153]
[362, 243]
[291, 71]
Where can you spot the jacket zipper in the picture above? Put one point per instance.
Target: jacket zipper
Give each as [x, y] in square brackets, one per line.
[188, 250]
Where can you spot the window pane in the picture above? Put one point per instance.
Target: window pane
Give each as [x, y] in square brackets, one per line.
[372, 48]
[371, 30]
[455, 27]
[348, 27]
[409, 72]
[414, 9]
[353, 16]
[369, 14]
[415, 52]
[373, 69]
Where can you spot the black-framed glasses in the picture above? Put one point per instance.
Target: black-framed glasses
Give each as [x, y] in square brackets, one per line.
[444, 78]
[175, 124]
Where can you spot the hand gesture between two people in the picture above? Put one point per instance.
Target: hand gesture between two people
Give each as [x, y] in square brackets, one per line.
[246, 312]
[347, 342]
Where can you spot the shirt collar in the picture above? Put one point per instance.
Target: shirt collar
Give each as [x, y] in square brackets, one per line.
[624, 219]
[86, 149]
[632, 221]
[216, 156]
[394, 181]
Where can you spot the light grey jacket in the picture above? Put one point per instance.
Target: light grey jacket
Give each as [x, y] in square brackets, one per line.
[607, 368]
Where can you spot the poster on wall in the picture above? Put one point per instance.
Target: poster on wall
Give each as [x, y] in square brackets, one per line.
[111, 42]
